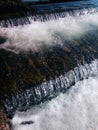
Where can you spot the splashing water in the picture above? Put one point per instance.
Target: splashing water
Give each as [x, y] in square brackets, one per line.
[75, 110]
[53, 32]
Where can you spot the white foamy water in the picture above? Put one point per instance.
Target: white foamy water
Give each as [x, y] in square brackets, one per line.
[50, 33]
[77, 109]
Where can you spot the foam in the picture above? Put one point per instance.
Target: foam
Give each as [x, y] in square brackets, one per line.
[50, 33]
[75, 110]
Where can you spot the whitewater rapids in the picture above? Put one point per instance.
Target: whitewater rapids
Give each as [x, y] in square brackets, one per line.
[41, 34]
[77, 109]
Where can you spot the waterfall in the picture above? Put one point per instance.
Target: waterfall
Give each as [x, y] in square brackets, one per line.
[61, 31]
[48, 57]
[45, 17]
[72, 39]
[77, 109]
[48, 90]
[45, 12]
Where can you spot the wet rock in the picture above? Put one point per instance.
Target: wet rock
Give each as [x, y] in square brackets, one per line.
[4, 122]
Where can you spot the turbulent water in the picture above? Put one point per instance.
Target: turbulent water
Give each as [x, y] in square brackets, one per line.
[75, 110]
[50, 33]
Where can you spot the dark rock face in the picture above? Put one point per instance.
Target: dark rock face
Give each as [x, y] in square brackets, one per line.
[10, 2]
[12, 9]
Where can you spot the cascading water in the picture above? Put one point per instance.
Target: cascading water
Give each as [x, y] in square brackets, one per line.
[77, 109]
[48, 90]
[54, 32]
[61, 48]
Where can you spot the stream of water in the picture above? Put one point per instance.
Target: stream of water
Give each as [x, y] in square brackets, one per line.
[75, 110]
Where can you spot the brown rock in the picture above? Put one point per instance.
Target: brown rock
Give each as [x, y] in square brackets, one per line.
[4, 123]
